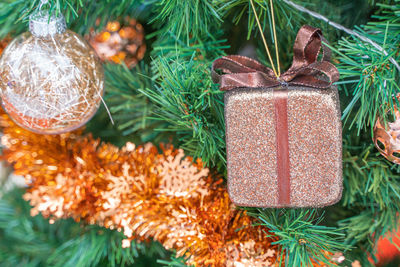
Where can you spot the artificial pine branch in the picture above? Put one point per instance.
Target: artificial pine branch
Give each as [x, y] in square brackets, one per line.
[129, 107]
[204, 49]
[180, 98]
[303, 240]
[191, 105]
[81, 15]
[9, 14]
[32, 241]
[170, 78]
[371, 196]
[187, 19]
[368, 63]
[173, 262]
[289, 20]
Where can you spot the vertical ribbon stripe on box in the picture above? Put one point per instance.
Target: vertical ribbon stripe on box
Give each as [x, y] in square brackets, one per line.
[282, 145]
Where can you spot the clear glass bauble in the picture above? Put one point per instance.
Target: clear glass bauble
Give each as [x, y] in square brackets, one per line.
[51, 80]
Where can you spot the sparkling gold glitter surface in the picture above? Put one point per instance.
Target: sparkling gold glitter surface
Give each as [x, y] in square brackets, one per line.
[314, 147]
[50, 84]
[145, 194]
[251, 147]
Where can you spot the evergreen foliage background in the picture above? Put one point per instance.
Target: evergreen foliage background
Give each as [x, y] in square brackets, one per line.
[170, 97]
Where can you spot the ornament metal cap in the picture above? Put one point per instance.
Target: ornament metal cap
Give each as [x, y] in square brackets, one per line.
[41, 24]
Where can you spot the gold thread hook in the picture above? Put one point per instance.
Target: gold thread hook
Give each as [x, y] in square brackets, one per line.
[275, 39]
[263, 38]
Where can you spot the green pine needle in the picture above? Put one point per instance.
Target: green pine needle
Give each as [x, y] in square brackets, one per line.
[191, 105]
[187, 19]
[302, 237]
[170, 97]
[32, 241]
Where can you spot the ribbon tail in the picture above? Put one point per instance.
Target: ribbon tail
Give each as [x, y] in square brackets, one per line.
[250, 80]
[242, 71]
[317, 75]
[236, 64]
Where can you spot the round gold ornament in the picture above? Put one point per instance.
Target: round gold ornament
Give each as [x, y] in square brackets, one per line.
[50, 80]
[387, 137]
[120, 42]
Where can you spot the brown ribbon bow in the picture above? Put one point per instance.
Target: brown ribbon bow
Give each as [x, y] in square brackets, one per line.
[242, 71]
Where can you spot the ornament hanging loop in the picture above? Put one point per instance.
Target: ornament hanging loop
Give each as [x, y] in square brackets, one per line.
[42, 3]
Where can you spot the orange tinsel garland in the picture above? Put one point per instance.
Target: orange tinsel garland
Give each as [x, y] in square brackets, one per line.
[3, 43]
[137, 190]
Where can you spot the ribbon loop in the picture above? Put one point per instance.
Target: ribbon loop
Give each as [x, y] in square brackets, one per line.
[240, 71]
[306, 47]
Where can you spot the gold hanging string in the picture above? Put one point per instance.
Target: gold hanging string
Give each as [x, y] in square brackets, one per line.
[263, 38]
[275, 39]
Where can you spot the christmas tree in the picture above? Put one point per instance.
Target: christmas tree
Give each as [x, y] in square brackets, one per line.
[148, 188]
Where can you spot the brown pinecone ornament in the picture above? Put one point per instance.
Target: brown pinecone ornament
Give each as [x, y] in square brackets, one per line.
[387, 136]
[120, 42]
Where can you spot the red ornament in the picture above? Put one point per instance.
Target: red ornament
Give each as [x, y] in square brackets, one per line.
[387, 249]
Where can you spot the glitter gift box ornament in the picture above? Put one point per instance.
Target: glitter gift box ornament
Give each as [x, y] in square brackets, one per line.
[283, 135]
